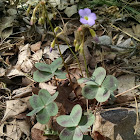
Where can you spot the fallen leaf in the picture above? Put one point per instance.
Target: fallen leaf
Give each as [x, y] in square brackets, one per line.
[14, 107]
[35, 47]
[51, 89]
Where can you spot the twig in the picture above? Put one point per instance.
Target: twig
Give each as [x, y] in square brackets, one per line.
[127, 91]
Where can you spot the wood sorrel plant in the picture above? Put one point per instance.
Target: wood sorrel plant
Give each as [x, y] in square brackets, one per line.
[99, 87]
[45, 72]
[75, 124]
[43, 106]
[87, 19]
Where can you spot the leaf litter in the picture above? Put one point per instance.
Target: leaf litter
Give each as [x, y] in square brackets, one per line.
[117, 51]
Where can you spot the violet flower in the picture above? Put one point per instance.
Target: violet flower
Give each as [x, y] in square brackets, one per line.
[87, 17]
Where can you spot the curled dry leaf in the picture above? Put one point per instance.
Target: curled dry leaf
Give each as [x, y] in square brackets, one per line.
[51, 89]
[14, 107]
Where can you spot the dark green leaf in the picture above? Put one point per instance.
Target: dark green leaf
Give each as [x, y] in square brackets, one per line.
[43, 116]
[67, 133]
[59, 74]
[87, 81]
[52, 109]
[89, 91]
[44, 96]
[71, 120]
[110, 83]
[102, 94]
[86, 137]
[43, 67]
[35, 101]
[99, 75]
[39, 76]
[36, 110]
[78, 135]
[55, 64]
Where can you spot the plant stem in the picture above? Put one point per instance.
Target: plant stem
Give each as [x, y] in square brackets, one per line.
[75, 57]
[62, 56]
[85, 63]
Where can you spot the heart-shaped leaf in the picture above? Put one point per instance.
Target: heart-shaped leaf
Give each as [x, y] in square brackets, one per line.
[40, 76]
[55, 64]
[90, 91]
[43, 116]
[36, 110]
[46, 97]
[71, 133]
[110, 83]
[71, 120]
[35, 101]
[59, 74]
[43, 67]
[67, 133]
[52, 109]
[87, 81]
[85, 122]
[99, 75]
[102, 94]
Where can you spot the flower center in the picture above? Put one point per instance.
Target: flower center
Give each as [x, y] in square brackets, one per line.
[85, 17]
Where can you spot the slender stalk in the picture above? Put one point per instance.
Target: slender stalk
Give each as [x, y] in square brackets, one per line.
[75, 57]
[60, 52]
[85, 63]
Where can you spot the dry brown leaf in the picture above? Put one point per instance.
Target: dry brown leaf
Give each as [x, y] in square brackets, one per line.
[24, 53]
[38, 131]
[21, 92]
[27, 66]
[14, 107]
[24, 127]
[37, 56]
[51, 89]
[35, 47]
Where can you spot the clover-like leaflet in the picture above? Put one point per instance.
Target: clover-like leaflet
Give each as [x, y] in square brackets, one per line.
[98, 86]
[45, 72]
[75, 124]
[43, 106]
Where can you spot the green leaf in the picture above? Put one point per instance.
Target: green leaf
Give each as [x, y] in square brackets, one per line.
[89, 91]
[43, 116]
[99, 75]
[39, 76]
[36, 110]
[59, 74]
[52, 109]
[110, 83]
[55, 64]
[86, 137]
[102, 94]
[87, 81]
[44, 95]
[71, 120]
[35, 101]
[92, 32]
[52, 98]
[43, 67]
[78, 135]
[86, 122]
[67, 133]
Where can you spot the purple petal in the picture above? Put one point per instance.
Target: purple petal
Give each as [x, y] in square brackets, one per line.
[93, 16]
[84, 21]
[82, 13]
[87, 11]
[51, 49]
[91, 21]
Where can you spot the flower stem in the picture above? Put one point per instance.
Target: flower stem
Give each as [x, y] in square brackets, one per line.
[75, 57]
[85, 63]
